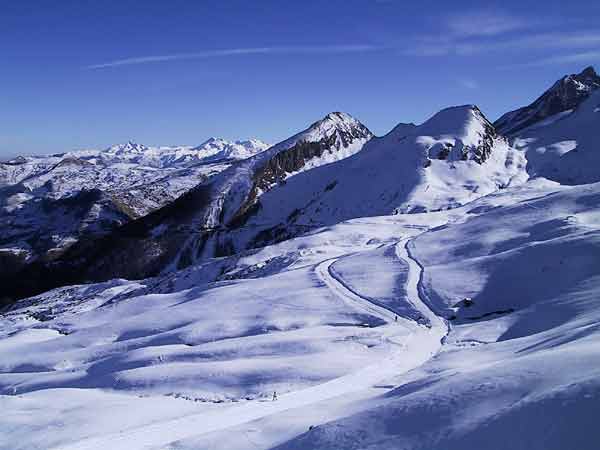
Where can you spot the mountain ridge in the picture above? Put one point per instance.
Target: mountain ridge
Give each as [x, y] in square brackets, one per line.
[224, 201]
[564, 95]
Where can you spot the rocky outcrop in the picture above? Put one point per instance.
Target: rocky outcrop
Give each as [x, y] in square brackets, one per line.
[477, 147]
[481, 152]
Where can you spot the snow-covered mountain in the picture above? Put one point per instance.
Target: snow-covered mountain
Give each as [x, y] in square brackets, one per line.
[565, 148]
[47, 203]
[330, 172]
[564, 96]
[434, 288]
[451, 159]
[176, 235]
[33, 171]
[558, 132]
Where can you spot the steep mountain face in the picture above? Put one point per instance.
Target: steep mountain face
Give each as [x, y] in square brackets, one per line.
[236, 191]
[565, 150]
[47, 203]
[565, 95]
[44, 227]
[176, 235]
[557, 133]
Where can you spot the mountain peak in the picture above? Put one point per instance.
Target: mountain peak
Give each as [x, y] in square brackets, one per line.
[458, 133]
[586, 81]
[213, 140]
[588, 72]
[454, 120]
[339, 117]
[336, 123]
[564, 95]
[129, 147]
[217, 148]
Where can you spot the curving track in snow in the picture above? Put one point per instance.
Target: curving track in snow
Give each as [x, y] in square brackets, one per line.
[415, 297]
[411, 344]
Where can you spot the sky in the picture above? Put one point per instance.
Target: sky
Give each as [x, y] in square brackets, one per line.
[88, 74]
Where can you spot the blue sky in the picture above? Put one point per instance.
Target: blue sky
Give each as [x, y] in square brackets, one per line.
[78, 74]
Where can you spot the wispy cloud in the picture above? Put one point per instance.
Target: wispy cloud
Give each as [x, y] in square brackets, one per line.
[427, 46]
[468, 83]
[581, 57]
[494, 31]
[326, 49]
[483, 23]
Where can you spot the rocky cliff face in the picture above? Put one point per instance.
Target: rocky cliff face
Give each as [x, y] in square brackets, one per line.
[333, 138]
[564, 95]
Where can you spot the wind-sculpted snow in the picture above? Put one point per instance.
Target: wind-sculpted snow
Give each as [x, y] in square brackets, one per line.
[225, 335]
[232, 341]
[537, 250]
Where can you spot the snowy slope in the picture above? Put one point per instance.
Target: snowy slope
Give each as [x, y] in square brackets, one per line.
[566, 149]
[451, 159]
[516, 370]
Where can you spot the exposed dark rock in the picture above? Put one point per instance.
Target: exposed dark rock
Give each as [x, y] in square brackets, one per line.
[444, 152]
[567, 93]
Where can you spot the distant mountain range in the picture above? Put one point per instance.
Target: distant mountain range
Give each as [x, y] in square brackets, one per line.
[47, 203]
[132, 211]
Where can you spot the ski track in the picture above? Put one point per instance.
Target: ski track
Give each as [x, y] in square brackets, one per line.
[411, 345]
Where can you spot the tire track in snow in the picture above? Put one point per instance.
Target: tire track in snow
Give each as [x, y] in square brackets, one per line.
[346, 293]
[414, 286]
[413, 291]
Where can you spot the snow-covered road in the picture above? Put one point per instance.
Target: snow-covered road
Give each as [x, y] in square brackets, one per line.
[410, 345]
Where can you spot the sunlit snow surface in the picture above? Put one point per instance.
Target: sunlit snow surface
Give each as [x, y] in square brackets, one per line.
[191, 360]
